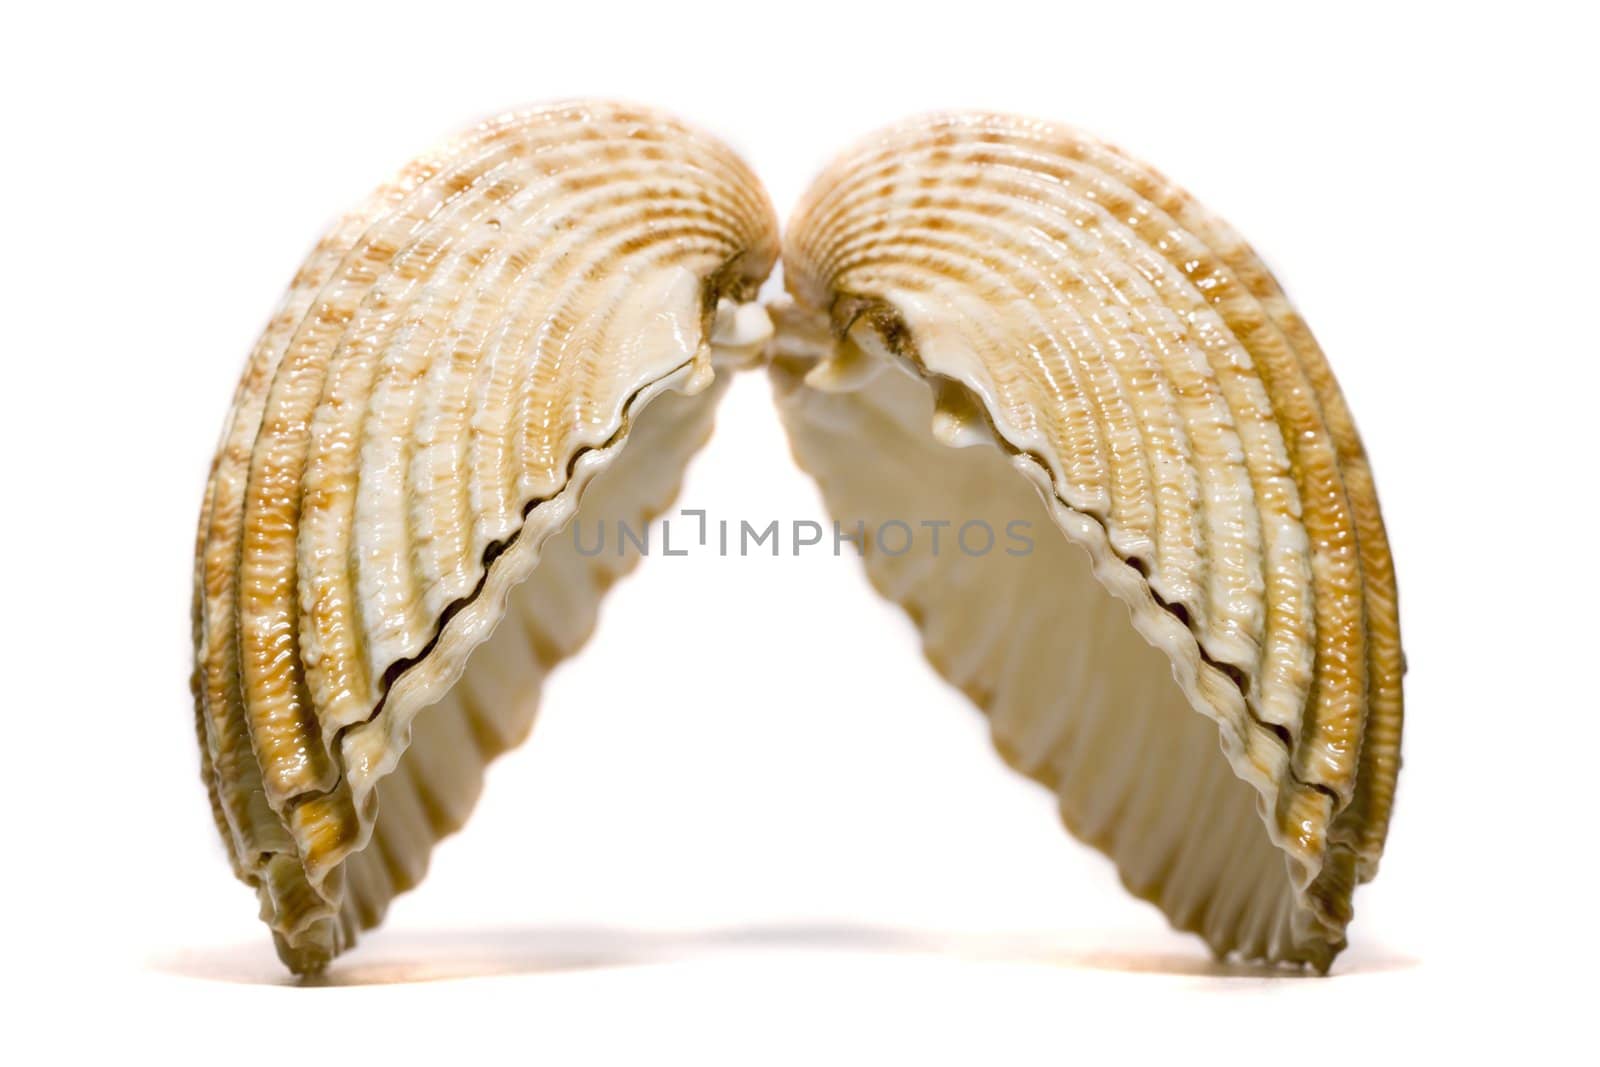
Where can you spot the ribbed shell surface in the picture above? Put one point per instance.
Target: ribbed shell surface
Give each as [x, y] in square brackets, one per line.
[443, 362]
[1142, 354]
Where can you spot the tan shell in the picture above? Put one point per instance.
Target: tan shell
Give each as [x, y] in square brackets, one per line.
[1153, 397]
[993, 318]
[515, 315]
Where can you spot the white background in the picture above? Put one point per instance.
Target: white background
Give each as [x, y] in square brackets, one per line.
[752, 824]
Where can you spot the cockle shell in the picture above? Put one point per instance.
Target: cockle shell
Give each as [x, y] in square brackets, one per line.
[991, 317]
[1132, 377]
[529, 310]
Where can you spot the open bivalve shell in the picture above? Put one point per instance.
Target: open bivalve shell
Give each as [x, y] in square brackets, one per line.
[1199, 653]
[521, 322]
[1191, 635]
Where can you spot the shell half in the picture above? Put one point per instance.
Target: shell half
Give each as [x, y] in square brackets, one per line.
[1205, 537]
[519, 323]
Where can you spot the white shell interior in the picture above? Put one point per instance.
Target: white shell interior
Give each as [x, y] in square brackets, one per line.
[491, 708]
[1076, 696]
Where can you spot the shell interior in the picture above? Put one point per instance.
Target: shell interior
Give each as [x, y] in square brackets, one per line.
[1135, 362]
[453, 364]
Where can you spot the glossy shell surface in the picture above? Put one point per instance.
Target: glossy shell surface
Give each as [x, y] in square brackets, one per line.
[1028, 291]
[989, 317]
[454, 363]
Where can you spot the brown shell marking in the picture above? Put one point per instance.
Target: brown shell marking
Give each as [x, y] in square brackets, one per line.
[453, 363]
[1134, 357]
